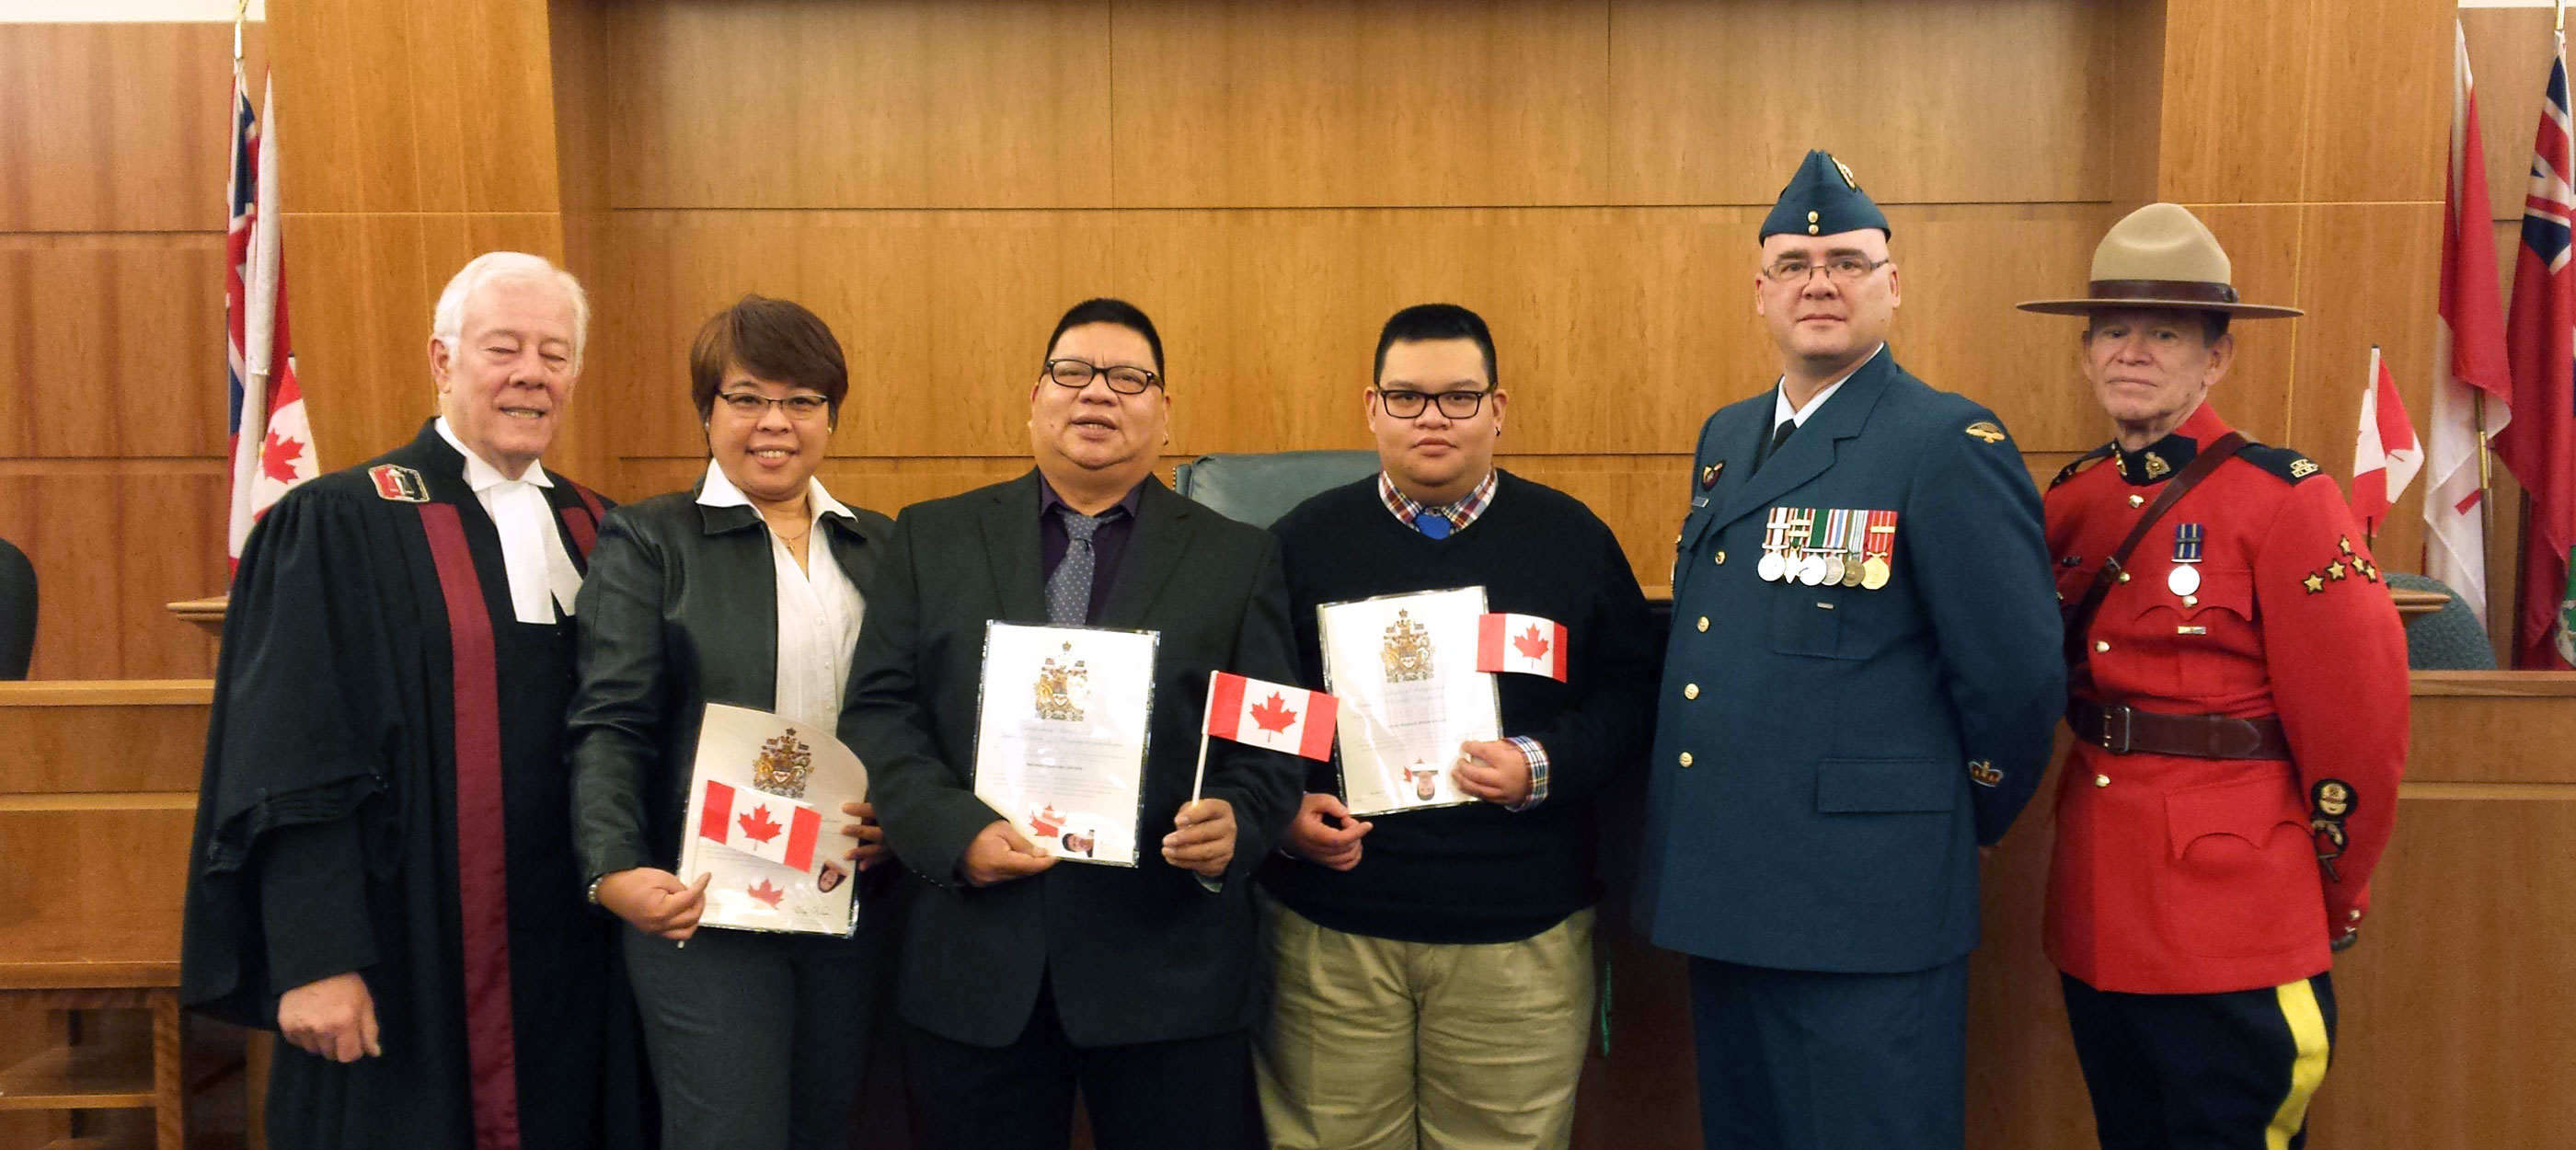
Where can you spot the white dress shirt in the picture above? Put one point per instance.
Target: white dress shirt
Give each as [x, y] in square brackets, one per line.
[819, 609]
[543, 579]
[1781, 410]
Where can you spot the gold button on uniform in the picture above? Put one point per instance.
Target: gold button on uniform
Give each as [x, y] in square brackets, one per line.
[2137, 501]
[2101, 645]
[1685, 758]
[2354, 914]
[1690, 690]
[2124, 576]
[1721, 558]
[1703, 622]
[2101, 780]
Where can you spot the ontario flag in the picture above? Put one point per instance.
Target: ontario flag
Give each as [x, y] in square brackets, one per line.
[1270, 715]
[2539, 446]
[1520, 644]
[2387, 455]
[272, 444]
[781, 830]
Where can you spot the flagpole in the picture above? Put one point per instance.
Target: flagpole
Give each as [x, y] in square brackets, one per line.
[1198, 774]
[241, 12]
[2370, 527]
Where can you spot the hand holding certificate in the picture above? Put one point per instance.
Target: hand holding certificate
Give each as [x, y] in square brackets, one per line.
[1060, 739]
[1405, 670]
[761, 794]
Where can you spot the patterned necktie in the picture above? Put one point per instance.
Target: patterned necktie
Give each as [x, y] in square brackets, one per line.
[1068, 591]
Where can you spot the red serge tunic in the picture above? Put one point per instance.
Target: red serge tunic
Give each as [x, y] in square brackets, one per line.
[2179, 875]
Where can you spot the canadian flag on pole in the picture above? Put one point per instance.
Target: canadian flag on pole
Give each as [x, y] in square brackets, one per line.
[1520, 644]
[2387, 456]
[751, 822]
[1265, 714]
[272, 442]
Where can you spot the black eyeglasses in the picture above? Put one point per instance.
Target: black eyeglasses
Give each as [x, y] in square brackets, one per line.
[1407, 404]
[1122, 379]
[797, 407]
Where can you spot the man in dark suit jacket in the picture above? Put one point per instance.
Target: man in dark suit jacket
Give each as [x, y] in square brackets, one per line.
[1021, 978]
[1860, 688]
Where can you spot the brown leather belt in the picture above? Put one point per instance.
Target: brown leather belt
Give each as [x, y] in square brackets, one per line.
[2122, 729]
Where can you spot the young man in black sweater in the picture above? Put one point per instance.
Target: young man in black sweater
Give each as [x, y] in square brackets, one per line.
[1432, 969]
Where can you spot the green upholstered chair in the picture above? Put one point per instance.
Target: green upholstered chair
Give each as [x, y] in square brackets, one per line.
[2445, 640]
[1259, 488]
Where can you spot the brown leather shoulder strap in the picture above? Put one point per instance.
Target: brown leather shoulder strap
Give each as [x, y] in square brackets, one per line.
[2080, 617]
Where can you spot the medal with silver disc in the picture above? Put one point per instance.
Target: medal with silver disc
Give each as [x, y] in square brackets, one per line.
[1775, 540]
[2184, 579]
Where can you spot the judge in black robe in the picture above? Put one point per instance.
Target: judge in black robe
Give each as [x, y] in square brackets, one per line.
[367, 679]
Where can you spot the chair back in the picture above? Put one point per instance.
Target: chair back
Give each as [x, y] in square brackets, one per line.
[2445, 640]
[1259, 488]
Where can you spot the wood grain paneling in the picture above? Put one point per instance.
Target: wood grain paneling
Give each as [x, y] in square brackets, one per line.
[2350, 307]
[1986, 101]
[2509, 54]
[111, 546]
[2262, 244]
[416, 107]
[1346, 103]
[107, 748]
[2379, 102]
[2237, 78]
[114, 345]
[116, 127]
[822, 104]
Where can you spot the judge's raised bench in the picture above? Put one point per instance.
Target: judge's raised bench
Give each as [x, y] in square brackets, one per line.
[2458, 1009]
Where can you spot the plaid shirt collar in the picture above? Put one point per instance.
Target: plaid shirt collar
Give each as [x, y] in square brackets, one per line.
[1406, 508]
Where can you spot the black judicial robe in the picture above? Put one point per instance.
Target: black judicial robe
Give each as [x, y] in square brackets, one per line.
[385, 791]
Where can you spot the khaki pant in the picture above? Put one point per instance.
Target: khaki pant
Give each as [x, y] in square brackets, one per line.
[1374, 1044]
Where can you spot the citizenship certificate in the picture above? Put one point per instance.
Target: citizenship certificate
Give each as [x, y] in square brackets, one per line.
[1404, 668]
[1060, 735]
[765, 821]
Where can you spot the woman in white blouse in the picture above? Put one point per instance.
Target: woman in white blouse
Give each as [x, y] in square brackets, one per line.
[748, 589]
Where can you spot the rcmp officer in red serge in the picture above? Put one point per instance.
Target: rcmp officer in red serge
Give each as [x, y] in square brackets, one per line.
[1860, 689]
[2239, 708]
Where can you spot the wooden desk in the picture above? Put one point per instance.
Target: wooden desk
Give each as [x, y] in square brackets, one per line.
[98, 789]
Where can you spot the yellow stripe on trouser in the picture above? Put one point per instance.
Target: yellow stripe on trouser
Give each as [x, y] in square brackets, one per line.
[2308, 1030]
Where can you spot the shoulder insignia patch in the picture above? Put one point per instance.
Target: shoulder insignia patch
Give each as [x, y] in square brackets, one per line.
[2291, 466]
[2081, 462]
[1987, 430]
[398, 483]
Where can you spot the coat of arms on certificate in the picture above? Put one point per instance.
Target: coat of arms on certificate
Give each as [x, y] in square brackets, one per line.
[1063, 682]
[1407, 651]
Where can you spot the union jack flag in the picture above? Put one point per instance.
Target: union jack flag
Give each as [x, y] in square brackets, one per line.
[272, 442]
[2539, 446]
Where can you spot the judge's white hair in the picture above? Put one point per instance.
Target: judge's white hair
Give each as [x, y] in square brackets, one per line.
[447, 321]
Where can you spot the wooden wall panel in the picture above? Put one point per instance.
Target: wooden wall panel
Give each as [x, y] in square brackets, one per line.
[1348, 103]
[114, 345]
[2380, 101]
[824, 104]
[2509, 54]
[2236, 97]
[2351, 305]
[1982, 101]
[416, 107]
[2262, 242]
[115, 127]
[104, 748]
[112, 543]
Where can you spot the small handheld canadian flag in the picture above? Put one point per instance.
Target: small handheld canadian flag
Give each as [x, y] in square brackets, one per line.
[748, 821]
[1521, 644]
[1265, 714]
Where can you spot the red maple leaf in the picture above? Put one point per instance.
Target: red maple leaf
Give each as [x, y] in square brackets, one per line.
[1273, 715]
[277, 457]
[1532, 645]
[758, 826]
[767, 893]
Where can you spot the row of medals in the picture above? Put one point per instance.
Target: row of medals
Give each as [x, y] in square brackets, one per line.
[1819, 566]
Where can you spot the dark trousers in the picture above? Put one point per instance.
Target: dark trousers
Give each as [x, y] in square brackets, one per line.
[1192, 1092]
[2202, 1071]
[758, 1041]
[1809, 1060]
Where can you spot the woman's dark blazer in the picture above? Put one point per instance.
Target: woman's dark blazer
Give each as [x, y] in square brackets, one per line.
[680, 609]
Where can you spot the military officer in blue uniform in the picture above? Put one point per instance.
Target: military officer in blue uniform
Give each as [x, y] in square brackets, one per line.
[1861, 687]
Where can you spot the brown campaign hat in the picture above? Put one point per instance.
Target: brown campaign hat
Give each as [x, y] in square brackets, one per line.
[2160, 256]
